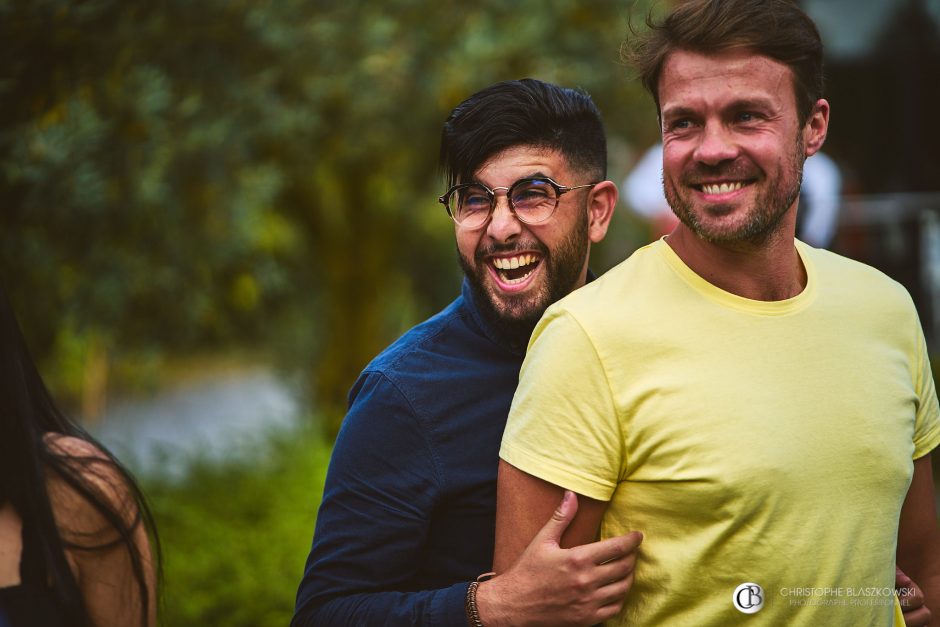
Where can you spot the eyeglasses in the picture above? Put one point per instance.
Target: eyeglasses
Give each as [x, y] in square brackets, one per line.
[531, 200]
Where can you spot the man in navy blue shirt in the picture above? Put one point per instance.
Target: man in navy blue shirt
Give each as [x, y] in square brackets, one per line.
[406, 524]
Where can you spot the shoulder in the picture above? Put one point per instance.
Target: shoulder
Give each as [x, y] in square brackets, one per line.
[389, 384]
[384, 387]
[88, 492]
[848, 276]
[72, 447]
[419, 338]
[447, 345]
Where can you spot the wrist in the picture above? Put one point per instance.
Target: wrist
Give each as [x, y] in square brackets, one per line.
[489, 605]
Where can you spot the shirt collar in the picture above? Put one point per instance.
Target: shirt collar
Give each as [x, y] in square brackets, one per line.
[481, 323]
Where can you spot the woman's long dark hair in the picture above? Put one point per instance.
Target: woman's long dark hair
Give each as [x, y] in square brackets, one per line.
[27, 416]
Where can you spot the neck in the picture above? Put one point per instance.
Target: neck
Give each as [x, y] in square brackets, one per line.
[769, 271]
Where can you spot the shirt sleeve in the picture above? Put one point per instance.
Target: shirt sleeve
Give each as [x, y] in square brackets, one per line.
[927, 420]
[380, 490]
[564, 426]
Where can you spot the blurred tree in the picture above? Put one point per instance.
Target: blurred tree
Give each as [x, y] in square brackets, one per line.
[180, 174]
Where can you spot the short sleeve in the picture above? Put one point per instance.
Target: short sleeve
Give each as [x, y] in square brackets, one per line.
[563, 426]
[927, 420]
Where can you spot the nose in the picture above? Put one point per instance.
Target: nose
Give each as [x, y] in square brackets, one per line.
[716, 144]
[503, 226]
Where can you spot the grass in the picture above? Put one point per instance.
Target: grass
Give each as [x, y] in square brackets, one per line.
[235, 535]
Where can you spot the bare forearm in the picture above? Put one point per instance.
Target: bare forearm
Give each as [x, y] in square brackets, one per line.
[541, 581]
[918, 536]
[927, 576]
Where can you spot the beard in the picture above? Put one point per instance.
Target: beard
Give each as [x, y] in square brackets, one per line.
[514, 316]
[762, 218]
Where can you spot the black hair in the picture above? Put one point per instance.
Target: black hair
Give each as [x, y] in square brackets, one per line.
[526, 112]
[29, 420]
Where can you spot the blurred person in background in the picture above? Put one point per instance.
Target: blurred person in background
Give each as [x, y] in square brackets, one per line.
[408, 513]
[74, 528]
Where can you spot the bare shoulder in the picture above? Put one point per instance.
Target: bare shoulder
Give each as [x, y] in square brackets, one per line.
[88, 491]
[99, 518]
[70, 446]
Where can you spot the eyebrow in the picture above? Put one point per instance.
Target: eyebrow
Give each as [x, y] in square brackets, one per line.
[677, 112]
[535, 175]
[752, 103]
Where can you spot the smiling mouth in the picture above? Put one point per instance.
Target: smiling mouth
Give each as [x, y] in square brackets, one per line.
[721, 188]
[515, 269]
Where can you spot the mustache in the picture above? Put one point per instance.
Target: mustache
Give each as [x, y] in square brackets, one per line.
[504, 249]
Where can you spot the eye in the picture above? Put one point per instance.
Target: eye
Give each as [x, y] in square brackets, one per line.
[747, 116]
[472, 200]
[532, 193]
[474, 196]
[678, 125]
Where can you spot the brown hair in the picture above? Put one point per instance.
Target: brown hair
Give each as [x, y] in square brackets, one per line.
[777, 29]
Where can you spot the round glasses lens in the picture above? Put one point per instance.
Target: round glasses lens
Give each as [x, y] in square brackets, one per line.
[534, 199]
[470, 205]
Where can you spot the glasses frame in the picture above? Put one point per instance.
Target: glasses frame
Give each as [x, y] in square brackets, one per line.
[560, 190]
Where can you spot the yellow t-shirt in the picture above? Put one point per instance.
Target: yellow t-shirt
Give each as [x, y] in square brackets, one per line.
[752, 442]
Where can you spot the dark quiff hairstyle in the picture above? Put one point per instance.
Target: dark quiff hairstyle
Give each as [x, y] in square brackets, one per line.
[526, 112]
[28, 417]
[777, 29]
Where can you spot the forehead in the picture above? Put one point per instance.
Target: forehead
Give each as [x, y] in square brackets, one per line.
[692, 79]
[517, 162]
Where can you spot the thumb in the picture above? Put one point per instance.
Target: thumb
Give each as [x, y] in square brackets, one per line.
[561, 518]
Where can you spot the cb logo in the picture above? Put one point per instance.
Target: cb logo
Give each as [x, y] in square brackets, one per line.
[748, 598]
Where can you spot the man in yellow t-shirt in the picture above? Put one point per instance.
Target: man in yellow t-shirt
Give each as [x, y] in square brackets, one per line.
[762, 411]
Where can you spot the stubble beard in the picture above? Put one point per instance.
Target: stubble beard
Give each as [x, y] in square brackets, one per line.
[514, 316]
[762, 218]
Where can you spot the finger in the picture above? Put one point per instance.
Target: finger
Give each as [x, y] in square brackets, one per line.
[607, 612]
[901, 580]
[614, 570]
[910, 595]
[611, 548]
[611, 599]
[563, 515]
[911, 602]
[610, 571]
[915, 598]
[612, 591]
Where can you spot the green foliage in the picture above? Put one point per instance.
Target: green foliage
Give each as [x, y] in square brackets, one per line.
[180, 174]
[235, 536]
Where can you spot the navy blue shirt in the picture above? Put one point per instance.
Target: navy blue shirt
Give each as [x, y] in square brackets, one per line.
[409, 506]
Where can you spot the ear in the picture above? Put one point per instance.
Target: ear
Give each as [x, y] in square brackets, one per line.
[814, 133]
[601, 203]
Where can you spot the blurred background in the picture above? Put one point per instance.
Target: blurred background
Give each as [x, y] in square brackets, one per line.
[214, 213]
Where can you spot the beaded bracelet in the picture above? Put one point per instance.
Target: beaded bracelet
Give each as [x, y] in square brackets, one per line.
[473, 613]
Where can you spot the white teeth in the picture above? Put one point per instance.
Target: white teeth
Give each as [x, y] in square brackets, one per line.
[511, 263]
[722, 188]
